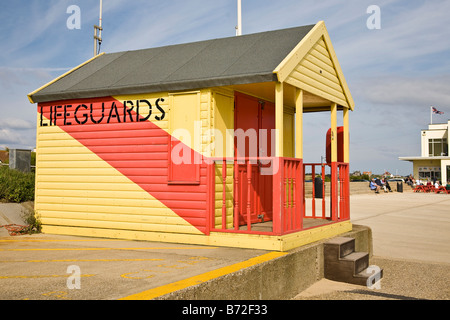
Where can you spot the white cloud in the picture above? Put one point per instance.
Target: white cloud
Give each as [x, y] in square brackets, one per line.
[16, 139]
[410, 31]
[164, 23]
[16, 124]
[414, 92]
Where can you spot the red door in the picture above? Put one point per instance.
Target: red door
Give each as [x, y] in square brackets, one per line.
[252, 116]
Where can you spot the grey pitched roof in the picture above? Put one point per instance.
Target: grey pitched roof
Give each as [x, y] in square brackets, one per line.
[236, 60]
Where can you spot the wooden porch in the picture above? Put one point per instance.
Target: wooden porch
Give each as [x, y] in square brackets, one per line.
[235, 203]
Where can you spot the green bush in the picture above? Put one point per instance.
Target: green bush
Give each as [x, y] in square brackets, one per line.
[16, 186]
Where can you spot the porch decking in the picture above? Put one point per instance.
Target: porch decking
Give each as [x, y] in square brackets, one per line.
[307, 223]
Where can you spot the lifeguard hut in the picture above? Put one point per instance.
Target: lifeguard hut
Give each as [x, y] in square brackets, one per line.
[198, 143]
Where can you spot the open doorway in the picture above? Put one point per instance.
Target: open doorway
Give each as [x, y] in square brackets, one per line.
[251, 116]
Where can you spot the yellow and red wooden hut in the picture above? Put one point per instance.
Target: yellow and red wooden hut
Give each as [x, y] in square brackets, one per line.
[198, 143]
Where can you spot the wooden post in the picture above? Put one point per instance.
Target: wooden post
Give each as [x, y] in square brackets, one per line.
[313, 200]
[299, 184]
[278, 196]
[334, 168]
[236, 195]
[224, 194]
[334, 157]
[249, 194]
[323, 191]
[279, 115]
[347, 161]
[346, 136]
[299, 124]
[278, 190]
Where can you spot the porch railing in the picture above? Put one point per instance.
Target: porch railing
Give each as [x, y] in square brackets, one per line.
[333, 200]
[291, 196]
[239, 203]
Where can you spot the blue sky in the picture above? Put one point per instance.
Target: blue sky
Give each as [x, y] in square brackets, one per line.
[394, 73]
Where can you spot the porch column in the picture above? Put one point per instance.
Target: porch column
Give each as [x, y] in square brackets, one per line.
[300, 202]
[279, 102]
[346, 136]
[299, 124]
[346, 185]
[334, 158]
[277, 192]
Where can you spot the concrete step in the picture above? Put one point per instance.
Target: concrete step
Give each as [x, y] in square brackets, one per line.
[339, 247]
[359, 261]
[343, 264]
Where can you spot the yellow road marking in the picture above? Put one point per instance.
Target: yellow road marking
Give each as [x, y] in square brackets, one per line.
[56, 294]
[127, 275]
[162, 290]
[44, 276]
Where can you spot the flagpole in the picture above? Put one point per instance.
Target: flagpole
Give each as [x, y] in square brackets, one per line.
[431, 115]
[239, 19]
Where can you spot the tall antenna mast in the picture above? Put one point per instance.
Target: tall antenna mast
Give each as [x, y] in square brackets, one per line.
[239, 19]
[98, 38]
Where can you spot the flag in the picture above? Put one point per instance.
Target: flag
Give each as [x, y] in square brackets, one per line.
[436, 111]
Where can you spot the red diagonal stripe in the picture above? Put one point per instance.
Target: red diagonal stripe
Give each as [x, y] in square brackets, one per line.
[137, 149]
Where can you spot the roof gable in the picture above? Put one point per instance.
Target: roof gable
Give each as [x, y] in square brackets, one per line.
[313, 66]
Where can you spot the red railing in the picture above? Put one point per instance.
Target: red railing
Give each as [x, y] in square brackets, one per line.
[334, 195]
[240, 194]
[292, 197]
[267, 195]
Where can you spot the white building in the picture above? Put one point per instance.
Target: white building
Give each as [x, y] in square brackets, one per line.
[434, 161]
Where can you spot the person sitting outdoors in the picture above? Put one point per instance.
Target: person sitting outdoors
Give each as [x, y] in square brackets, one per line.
[386, 185]
[447, 185]
[380, 184]
[374, 186]
[410, 181]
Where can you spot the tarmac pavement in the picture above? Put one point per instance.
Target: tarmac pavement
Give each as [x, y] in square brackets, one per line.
[41, 267]
[55, 267]
[411, 242]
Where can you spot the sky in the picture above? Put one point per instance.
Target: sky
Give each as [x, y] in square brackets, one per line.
[395, 71]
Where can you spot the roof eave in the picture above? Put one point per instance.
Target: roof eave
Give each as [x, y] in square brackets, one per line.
[31, 94]
[157, 87]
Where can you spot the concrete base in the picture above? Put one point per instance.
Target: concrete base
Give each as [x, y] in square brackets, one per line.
[222, 239]
[280, 278]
